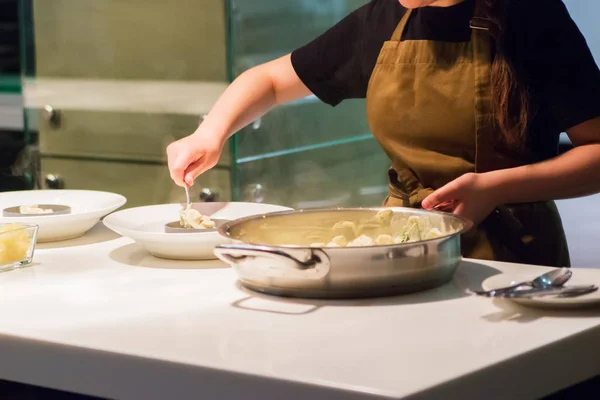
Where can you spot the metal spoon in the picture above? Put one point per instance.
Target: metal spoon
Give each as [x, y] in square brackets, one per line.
[566, 291]
[552, 279]
[187, 197]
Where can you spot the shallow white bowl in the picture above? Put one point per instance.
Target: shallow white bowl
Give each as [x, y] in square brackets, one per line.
[87, 208]
[146, 226]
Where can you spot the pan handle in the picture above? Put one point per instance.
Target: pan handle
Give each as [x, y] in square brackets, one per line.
[314, 261]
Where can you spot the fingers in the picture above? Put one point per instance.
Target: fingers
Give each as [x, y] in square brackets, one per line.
[200, 166]
[445, 206]
[194, 170]
[188, 158]
[177, 170]
[460, 210]
[445, 194]
[179, 164]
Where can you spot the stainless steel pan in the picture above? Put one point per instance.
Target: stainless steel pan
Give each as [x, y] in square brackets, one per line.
[272, 254]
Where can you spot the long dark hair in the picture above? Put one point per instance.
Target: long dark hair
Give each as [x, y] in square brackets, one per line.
[510, 95]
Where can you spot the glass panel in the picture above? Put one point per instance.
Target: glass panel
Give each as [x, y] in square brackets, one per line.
[304, 154]
[584, 13]
[340, 174]
[262, 30]
[110, 83]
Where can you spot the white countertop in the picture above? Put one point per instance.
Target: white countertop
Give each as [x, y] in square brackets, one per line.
[107, 319]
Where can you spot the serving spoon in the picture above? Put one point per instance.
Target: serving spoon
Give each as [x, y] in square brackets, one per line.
[178, 225]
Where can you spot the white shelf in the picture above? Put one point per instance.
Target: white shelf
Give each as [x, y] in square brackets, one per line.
[11, 112]
[163, 97]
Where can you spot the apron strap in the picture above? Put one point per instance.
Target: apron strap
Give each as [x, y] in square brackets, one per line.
[485, 153]
[397, 36]
[481, 18]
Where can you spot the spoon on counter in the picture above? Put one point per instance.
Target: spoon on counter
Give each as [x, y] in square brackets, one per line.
[564, 292]
[553, 279]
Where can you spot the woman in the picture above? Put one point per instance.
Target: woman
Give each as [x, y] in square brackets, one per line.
[467, 98]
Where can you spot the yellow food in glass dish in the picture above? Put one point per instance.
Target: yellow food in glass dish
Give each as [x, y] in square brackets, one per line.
[15, 243]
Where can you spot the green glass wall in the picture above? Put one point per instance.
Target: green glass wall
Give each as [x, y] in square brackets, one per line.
[305, 154]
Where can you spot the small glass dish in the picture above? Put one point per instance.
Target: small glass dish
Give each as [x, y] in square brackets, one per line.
[17, 244]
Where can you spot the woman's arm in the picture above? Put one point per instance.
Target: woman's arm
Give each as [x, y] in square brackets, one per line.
[555, 53]
[249, 97]
[573, 174]
[252, 94]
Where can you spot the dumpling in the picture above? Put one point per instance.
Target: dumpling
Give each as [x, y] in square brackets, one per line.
[345, 228]
[384, 218]
[192, 219]
[384, 240]
[34, 209]
[433, 233]
[414, 219]
[360, 241]
[338, 241]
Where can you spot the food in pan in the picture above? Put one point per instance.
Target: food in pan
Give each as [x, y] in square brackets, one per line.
[190, 218]
[34, 209]
[384, 229]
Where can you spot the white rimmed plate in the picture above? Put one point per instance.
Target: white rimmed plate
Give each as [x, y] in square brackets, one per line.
[146, 226]
[581, 276]
[87, 208]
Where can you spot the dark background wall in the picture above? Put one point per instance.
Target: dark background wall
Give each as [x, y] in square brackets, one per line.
[9, 38]
[11, 142]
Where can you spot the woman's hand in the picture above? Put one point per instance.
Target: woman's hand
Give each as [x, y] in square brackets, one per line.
[471, 196]
[193, 155]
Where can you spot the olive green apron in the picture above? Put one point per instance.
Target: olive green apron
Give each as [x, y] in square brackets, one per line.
[429, 107]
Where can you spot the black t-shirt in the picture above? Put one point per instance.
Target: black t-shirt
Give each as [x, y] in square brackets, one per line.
[544, 42]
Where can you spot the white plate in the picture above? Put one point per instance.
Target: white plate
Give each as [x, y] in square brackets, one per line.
[581, 276]
[87, 208]
[146, 226]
